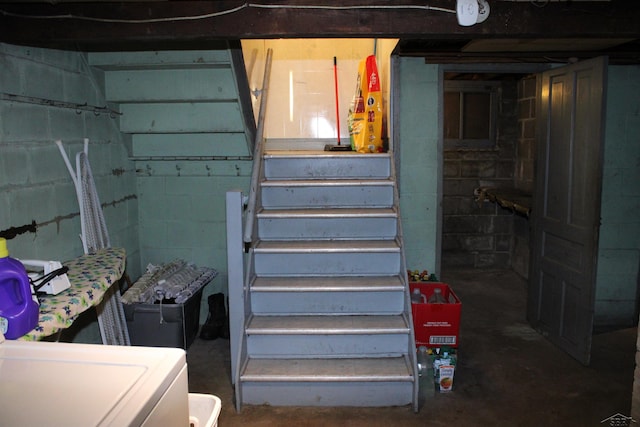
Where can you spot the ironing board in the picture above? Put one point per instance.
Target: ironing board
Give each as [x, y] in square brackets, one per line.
[93, 279]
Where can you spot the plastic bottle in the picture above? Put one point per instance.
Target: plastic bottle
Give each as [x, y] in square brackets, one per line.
[418, 297]
[437, 297]
[425, 372]
[18, 311]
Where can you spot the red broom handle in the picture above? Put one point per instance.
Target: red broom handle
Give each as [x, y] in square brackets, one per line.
[335, 79]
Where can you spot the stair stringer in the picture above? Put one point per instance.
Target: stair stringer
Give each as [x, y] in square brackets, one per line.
[407, 292]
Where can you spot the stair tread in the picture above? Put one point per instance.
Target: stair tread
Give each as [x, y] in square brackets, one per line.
[327, 182]
[329, 212]
[330, 283]
[274, 154]
[321, 325]
[328, 369]
[326, 245]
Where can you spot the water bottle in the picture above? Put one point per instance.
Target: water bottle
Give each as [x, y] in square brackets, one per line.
[437, 297]
[425, 372]
[18, 311]
[418, 297]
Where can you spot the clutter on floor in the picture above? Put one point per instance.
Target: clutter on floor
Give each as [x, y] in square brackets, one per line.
[162, 308]
[436, 312]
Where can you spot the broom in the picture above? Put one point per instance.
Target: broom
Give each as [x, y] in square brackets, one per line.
[338, 147]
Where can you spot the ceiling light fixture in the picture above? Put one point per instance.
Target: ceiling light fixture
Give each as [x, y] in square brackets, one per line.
[471, 12]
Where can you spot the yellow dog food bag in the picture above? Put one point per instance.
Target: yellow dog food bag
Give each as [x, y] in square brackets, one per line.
[365, 113]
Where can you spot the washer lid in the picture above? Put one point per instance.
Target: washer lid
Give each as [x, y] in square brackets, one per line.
[60, 384]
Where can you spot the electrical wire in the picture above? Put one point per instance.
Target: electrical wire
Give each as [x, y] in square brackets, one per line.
[419, 7]
[41, 281]
[127, 21]
[539, 3]
[224, 12]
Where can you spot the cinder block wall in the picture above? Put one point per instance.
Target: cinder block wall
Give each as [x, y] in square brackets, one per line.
[39, 213]
[182, 213]
[480, 235]
[417, 143]
[40, 88]
[524, 178]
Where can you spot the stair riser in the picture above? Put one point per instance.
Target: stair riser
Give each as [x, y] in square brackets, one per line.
[327, 302]
[326, 228]
[369, 394]
[327, 264]
[329, 167]
[319, 196]
[327, 345]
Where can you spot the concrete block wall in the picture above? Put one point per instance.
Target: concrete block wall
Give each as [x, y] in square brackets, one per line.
[619, 242]
[524, 174]
[37, 195]
[480, 235]
[419, 174]
[39, 213]
[182, 213]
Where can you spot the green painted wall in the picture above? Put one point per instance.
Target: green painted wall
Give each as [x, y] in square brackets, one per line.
[619, 244]
[161, 210]
[420, 159]
[35, 185]
[182, 213]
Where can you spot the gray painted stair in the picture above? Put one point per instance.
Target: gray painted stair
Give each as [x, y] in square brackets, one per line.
[327, 295]
[329, 322]
[354, 223]
[327, 382]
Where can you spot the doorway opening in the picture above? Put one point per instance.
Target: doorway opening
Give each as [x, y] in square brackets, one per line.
[488, 141]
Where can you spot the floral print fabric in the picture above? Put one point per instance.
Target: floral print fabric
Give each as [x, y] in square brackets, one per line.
[90, 276]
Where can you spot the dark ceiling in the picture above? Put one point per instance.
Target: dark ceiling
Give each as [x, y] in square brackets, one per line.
[515, 31]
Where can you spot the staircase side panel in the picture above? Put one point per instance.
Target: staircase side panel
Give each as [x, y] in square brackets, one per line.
[170, 85]
[181, 117]
[159, 59]
[190, 144]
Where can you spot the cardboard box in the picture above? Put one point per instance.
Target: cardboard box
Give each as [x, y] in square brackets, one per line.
[436, 325]
[164, 325]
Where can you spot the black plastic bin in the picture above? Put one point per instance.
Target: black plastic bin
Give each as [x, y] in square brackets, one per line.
[164, 325]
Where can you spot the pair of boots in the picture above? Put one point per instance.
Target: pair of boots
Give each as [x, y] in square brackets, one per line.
[217, 324]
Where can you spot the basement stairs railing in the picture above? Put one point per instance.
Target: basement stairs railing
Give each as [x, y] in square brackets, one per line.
[320, 311]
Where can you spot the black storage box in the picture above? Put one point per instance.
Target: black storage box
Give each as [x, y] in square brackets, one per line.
[164, 325]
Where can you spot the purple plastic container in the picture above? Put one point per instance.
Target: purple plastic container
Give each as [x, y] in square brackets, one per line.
[18, 311]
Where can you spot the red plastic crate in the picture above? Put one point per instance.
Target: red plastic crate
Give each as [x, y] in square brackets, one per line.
[436, 325]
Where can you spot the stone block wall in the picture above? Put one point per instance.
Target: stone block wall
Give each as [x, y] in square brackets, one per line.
[524, 175]
[480, 235]
[526, 145]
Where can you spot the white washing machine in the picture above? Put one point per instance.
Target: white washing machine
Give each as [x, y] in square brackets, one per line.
[61, 384]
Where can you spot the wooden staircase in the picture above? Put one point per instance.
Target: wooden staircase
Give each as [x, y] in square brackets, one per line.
[329, 320]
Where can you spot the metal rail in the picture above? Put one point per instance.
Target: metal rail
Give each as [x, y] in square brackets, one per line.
[257, 154]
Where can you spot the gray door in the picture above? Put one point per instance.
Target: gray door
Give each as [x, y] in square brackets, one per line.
[566, 215]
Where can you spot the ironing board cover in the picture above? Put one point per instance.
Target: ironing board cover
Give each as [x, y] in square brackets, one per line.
[90, 276]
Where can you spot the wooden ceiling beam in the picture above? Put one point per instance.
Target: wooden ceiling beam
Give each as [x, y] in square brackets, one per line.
[114, 25]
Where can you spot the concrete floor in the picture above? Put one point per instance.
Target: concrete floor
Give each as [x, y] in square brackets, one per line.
[507, 374]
